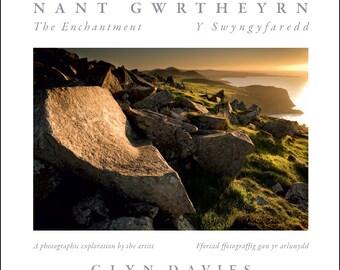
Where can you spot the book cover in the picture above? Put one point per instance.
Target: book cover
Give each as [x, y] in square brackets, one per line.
[170, 135]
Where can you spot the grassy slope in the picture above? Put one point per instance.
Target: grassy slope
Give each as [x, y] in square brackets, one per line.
[232, 203]
[224, 204]
[271, 100]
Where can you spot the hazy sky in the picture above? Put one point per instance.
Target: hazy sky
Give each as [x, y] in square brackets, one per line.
[189, 58]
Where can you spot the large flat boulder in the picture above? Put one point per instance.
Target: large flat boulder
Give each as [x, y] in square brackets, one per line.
[223, 153]
[84, 130]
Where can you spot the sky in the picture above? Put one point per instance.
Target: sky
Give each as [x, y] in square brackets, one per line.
[233, 59]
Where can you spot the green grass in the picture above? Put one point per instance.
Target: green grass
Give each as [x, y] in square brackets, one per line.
[237, 208]
[224, 204]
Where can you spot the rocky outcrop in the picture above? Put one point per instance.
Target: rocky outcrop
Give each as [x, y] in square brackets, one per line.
[173, 114]
[139, 80]
[171, 137]
[218, 97]
[261, 201]
[280, 128]
[182, 224]
[226, 110]
[135, 93]
[138, 209]
[154, 101]
[123, 76]
[90, 210]
[235, 104]
[101, 75]
[223, 154]
[46, 179]
[298, 195]
[206, 121]
[249, 115]
[56, 67]
[125, 223]
[189, 105]
[84, 130]
[277, 189]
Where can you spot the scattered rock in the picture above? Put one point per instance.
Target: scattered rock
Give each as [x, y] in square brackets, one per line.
[125, 223]
[139, 80]
[81, 66]
[223, 154]
[235, 104]
[46, 179]
[219, 97]
[298, 195]
[280, 128]
[189, 105]
[182, 224]
[277, 189]
[90, 210]
[178, 110]
[58, 58]
[154, 101]
[261, 201]
[101, 75]
[137, 93]
[209, 132]
[171, 137]
[125, 99]
[169, 80]
[185, 144]
[69, 69]
[84, 130]
[175, 115]
[249, 115]
[123, 76]
[138, 209]
[208, 122]
[226, 110]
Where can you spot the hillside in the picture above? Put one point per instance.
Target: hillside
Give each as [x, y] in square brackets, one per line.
[171, 71]
[218, 74]
[272, 100]
[119, 149]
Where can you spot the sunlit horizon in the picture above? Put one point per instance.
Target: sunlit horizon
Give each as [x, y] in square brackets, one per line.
[221, 59]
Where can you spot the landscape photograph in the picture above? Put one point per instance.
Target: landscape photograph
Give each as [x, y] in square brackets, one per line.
[170, 139]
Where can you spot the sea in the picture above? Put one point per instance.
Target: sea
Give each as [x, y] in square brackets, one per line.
[297, 87]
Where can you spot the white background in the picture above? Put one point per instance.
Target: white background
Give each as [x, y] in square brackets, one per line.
[18, 39]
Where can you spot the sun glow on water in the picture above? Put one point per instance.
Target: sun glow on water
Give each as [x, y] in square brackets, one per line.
[302, 103]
